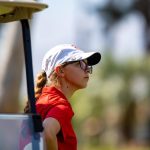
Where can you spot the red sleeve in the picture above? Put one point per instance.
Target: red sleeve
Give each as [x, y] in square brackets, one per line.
[60, 113]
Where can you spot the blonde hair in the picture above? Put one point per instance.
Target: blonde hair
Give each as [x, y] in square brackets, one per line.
[41, 81]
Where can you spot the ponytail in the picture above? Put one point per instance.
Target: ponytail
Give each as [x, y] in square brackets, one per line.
[40, 83]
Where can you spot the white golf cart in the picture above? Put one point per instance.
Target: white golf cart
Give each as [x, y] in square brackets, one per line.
[22, 132]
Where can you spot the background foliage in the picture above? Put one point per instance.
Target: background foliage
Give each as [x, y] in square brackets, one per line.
[113, 111]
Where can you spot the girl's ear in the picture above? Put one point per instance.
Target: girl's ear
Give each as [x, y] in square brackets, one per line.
[59, 71]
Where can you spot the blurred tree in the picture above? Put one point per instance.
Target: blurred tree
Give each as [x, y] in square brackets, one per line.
[128, 121]
[144, 8]
[11, 70]
[114, 10]
[125, 85]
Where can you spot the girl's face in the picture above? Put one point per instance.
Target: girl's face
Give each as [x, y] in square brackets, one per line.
[76, 74]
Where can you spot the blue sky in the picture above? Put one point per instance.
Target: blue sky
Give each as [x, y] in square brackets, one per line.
[54, 25]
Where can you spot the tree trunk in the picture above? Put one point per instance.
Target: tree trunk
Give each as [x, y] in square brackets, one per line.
[11, 69]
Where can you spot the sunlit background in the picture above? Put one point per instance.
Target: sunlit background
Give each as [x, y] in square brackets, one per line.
[113, 112]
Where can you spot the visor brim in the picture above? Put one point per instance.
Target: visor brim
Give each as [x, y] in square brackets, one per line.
[94, 59]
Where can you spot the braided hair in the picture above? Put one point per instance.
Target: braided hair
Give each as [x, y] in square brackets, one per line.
[40, 83]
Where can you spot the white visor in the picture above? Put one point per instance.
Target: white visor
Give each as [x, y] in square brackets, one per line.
[67, 53]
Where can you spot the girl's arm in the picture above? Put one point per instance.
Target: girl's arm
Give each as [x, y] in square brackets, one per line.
[51, 128]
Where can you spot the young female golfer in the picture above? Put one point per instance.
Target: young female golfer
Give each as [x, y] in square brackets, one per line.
[66, 69]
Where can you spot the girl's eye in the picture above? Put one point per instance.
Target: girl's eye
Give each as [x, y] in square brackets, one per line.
[83, 63]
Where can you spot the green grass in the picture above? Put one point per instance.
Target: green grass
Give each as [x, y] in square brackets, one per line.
[87, 147]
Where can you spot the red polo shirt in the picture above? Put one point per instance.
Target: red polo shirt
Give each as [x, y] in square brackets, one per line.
[52, 103]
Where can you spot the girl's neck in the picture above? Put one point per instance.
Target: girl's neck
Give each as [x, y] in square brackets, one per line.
[66, 90]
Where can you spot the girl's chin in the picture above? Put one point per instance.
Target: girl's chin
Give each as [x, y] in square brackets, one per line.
[82, 86]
